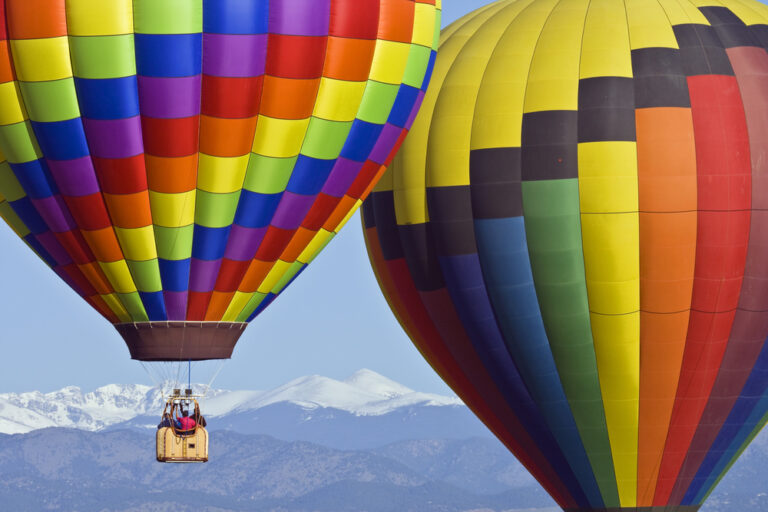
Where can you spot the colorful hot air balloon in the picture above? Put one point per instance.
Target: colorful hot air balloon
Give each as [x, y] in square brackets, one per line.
[575, 236]
[179, 162]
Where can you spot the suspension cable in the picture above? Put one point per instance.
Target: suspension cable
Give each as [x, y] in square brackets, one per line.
[210, 383]
[159, 387]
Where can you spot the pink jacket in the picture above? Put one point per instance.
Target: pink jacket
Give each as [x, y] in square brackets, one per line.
[187, 423]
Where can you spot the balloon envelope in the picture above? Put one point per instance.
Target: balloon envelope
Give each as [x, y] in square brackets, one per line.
[575, 236]
[179, 162]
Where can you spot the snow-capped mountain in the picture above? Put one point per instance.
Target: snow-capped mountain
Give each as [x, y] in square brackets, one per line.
[365, 393]
[71, 407]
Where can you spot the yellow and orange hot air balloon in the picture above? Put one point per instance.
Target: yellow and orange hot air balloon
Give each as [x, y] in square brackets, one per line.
[575, 236]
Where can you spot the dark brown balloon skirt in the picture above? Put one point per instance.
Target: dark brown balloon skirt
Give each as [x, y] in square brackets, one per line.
[181, 341]
[671, 508]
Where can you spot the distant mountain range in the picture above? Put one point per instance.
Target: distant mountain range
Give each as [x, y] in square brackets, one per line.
[364, 411]
[364, 444]
[57, 469]
[65, 469]
[364, 394]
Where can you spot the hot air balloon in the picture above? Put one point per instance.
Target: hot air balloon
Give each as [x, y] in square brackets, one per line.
[575, 237]
[179, 162]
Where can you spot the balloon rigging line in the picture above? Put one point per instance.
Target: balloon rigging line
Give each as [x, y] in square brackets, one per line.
[158, 386]
[216, 374]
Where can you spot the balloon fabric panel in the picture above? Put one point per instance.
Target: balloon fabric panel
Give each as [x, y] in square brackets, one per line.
[184, 161]
[584, 193]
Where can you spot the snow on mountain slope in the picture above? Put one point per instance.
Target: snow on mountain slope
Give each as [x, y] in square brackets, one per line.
[70, 407]
[220, 403]
[17, 420]
[375, 383]
[365, 393]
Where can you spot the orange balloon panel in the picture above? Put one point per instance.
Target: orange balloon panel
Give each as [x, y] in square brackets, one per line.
[575, 237]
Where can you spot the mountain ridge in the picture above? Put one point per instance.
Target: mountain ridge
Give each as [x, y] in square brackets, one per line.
[61, 469]
[364, 393]
[70, 469]
[375, 439]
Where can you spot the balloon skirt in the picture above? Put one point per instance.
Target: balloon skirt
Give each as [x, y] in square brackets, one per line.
[181, 341]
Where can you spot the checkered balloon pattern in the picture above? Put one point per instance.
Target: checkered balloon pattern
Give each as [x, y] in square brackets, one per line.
[575, 236]
[184, 160]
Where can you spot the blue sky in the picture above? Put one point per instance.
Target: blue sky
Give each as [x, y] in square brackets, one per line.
[331, 321]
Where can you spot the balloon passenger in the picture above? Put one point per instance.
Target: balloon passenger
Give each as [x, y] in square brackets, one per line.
[165, 422]
[199, 417]
[184, 423]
